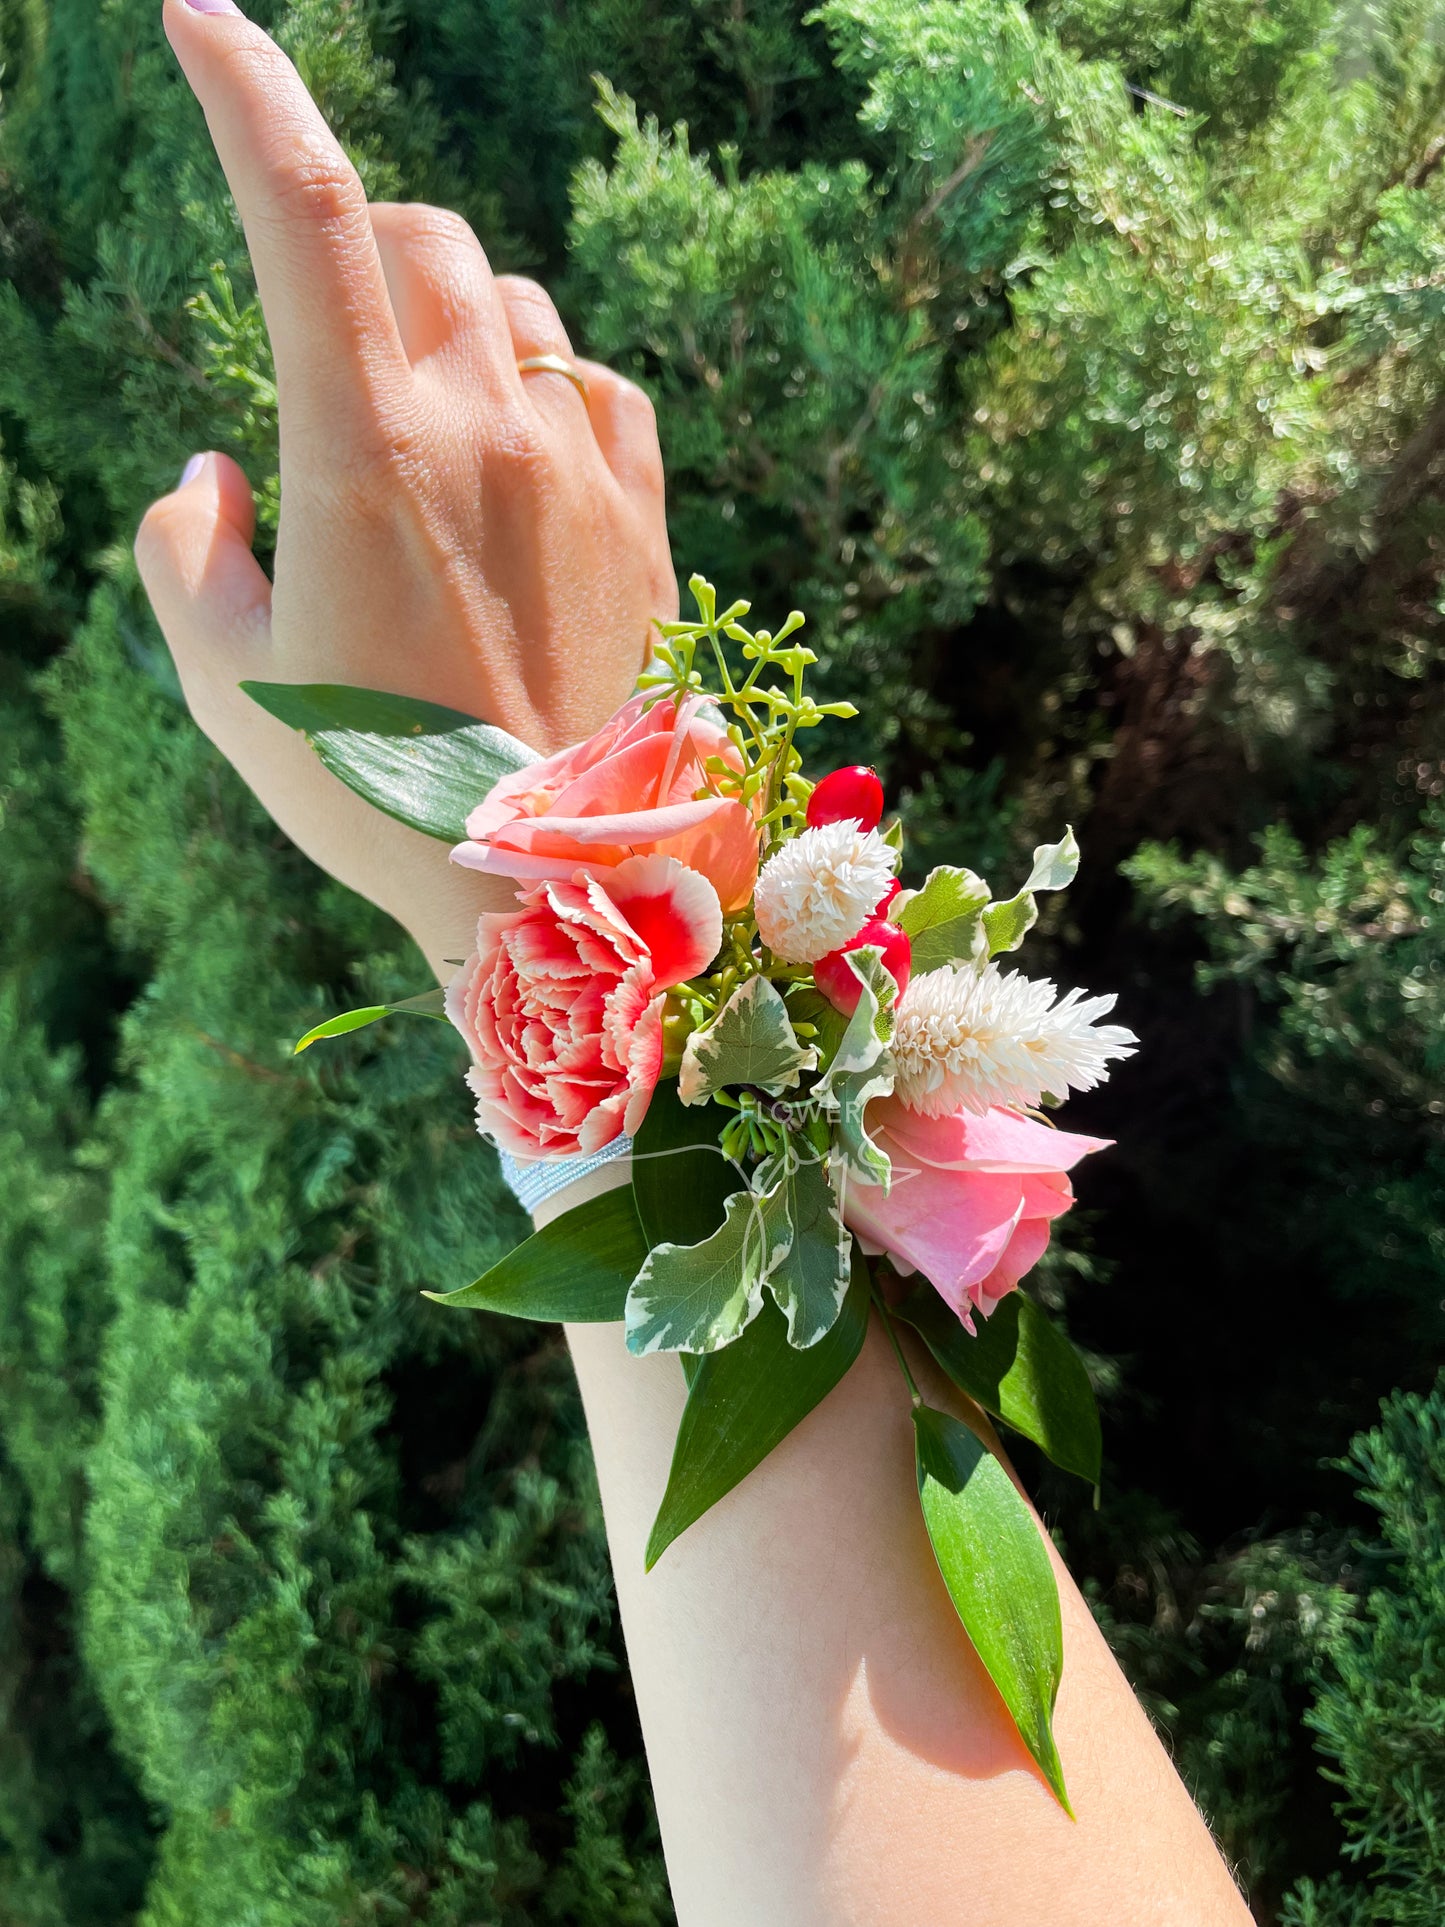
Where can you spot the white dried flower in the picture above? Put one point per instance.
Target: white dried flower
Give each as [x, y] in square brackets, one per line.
[819, 890]
[966, 1040]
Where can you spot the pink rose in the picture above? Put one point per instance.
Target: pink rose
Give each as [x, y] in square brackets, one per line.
[971, 1201]
[562, 1001]
[629, 790]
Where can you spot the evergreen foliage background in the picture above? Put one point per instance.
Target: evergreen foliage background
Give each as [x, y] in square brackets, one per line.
[1080, 368]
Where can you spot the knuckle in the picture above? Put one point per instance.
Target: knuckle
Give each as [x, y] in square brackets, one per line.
[529, 305]
[635, 405]
[318, 188]
[639, 426]
[442, 225]
[516, 450]
[378, 465]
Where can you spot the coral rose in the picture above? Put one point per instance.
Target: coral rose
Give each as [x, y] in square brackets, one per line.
[630, 790]
[971, 1201]
[562, 1002]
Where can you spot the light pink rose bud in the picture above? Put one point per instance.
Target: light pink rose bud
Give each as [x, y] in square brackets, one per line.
[971, 1201]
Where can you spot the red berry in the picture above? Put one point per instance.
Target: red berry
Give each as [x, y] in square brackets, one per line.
[839, 982]
[855, 792]
[880, 908]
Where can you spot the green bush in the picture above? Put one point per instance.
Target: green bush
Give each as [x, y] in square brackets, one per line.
[1078, 368]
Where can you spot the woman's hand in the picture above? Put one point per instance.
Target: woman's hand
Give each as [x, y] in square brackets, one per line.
[450, 528]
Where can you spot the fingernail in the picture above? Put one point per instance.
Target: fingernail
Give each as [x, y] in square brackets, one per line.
[197, 462]
[213, 6]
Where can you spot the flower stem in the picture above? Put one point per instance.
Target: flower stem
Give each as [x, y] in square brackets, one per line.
[882, 1309]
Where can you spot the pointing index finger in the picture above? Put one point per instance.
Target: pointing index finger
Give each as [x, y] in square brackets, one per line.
[304, 211]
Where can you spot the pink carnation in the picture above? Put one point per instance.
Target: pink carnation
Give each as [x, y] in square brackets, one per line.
[562, 1002]
[971, 1201]
[638, 786]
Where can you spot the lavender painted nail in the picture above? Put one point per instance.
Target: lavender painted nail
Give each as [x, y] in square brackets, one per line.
[213, 6]
[197, 462]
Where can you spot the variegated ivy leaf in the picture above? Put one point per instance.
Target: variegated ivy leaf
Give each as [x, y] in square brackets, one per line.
[1055, 867]
[857, 1153]
[870, 1028]
[943, 919]
[1055, 864]
[750, 1041]
[862, 1069]
[697, 1298]
[810, 1278]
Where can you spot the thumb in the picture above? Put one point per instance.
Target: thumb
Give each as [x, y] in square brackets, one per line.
[210, 595]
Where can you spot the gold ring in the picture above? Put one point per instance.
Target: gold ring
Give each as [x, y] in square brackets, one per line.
[554, 365]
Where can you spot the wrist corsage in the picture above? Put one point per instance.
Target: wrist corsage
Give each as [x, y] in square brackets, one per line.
[829, 1083]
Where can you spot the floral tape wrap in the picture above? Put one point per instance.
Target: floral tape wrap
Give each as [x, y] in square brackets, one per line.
[533, 1182]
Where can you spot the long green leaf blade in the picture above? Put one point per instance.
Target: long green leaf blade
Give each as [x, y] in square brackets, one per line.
[430, 1003]
[745, 1400]
[575, 1270]
[997, 1570]
[1022, 1369]
[427, 766]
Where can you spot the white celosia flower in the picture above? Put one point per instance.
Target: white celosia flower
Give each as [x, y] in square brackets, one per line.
[819, 890]
[966, 1040]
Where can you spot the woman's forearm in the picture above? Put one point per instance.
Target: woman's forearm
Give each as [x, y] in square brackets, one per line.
[826, 1749]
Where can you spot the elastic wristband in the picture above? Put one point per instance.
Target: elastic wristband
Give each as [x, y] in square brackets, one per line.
[532, 1183]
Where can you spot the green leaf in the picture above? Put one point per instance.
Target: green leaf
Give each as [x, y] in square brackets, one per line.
[1055, 864]
[745, 1400]
[431, 1003]
[857, 1152]
[809, 1006]
[942, 920]
[870, 1028]
[576, 1269]
[811, 1277]
[428, 767]
[1022, 1369]
[994, 1562]
[1054, 868]
[1007, 924]
[697, 1298]
[680, 1177]
[750, 1041]
[862, 1069]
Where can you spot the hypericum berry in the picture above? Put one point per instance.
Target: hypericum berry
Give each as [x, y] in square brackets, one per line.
[838, 980]
[848, 794]
[880, 908]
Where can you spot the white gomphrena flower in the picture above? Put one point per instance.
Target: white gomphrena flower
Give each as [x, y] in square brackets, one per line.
[820, 888]
[966, 1040]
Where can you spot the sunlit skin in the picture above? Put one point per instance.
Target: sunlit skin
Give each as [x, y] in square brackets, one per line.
[826, 1750]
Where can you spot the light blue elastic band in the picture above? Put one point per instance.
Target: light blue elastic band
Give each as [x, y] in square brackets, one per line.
[542, 1178]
